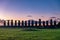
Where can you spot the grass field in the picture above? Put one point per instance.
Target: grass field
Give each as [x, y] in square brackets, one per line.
[20, 34]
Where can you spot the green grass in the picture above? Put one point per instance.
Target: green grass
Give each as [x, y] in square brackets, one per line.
[20, 34]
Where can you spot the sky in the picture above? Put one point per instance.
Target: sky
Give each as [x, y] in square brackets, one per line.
[29, 9]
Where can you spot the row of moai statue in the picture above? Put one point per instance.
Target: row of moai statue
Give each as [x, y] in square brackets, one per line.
[29, 23]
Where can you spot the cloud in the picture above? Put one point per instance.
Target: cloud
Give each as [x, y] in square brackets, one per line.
[1, 21]
[42, 16]
[52, 17]
[58, 18]
[29, 16]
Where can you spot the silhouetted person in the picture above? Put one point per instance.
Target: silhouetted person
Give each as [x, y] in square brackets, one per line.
[8, 23]
[15, 22]
[18, 22]
[4, 23]
[25, 23]
[39, 22]
[11, 22]
[28, 22]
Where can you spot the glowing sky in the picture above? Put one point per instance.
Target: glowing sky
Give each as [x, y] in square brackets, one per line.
[21, 9]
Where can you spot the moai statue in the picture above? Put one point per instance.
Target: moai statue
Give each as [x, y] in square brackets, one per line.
[8, 23]
[15, 23]
[4, 23]
[18, 22]
[58, 25]
[25, 23]
[51, 22]
[47, 23]
[35, 23]
[11, 23]
[54, 23]
[22, 23]
[28, 22]
[43, 24]
[39, 22]
[32, 23]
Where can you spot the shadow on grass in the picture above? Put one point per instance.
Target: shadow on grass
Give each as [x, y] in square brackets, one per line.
[30, 29]
[8, 38]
